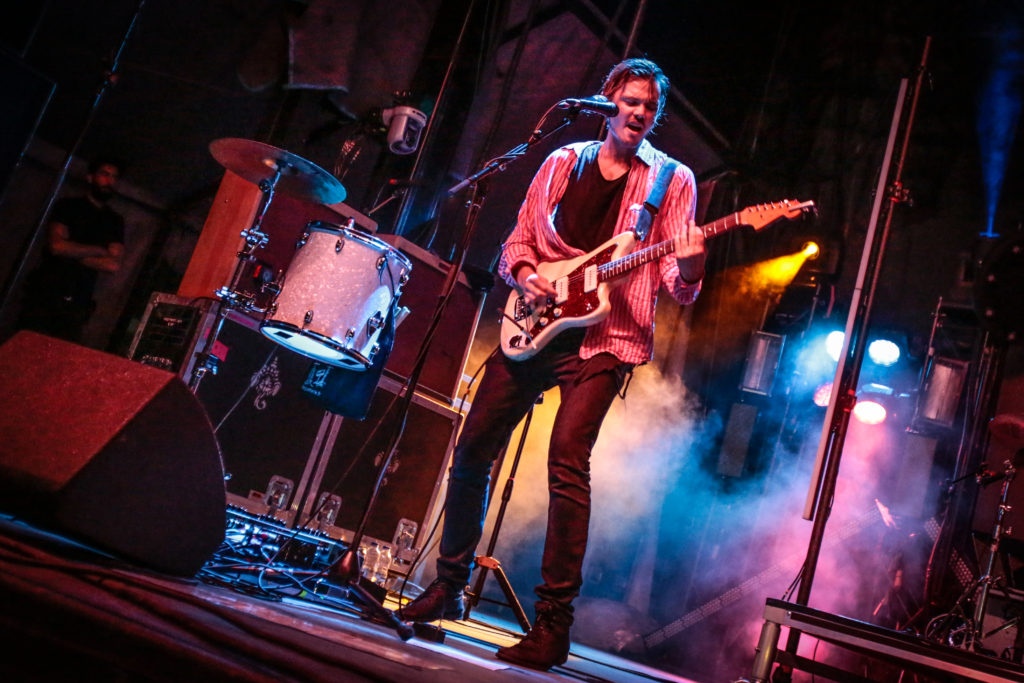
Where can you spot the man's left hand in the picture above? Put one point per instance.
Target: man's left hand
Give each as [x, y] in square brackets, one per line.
[690, 253]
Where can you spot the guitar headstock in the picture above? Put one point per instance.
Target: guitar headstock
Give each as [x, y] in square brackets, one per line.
[760, 215]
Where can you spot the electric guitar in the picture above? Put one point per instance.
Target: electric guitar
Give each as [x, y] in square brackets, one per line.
[583, 283]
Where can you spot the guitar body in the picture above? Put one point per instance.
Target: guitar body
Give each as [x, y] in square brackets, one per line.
[582, 300]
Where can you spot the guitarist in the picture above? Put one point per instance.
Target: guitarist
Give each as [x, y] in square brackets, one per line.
[580, 197]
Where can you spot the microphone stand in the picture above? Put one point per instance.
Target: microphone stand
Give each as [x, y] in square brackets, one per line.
[346, 570]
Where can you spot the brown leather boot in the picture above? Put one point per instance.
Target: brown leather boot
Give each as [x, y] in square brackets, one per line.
[547, 643]
[440, 600]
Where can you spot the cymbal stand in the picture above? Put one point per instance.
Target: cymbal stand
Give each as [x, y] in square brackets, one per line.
[968, 633]
[488, 562]
[229, 296]
[985, 581]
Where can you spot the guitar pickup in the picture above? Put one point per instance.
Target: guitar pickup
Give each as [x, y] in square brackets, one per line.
[590, 278]
[561, 290]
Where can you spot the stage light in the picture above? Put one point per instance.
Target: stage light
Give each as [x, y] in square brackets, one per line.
[834, 344]
[810, 250]
[762, 362]
[869, 412]
[884, 352]
[939, 399]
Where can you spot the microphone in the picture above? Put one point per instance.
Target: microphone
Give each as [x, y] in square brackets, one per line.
[597, 104]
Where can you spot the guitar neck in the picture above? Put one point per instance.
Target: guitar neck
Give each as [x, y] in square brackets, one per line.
[623, 265]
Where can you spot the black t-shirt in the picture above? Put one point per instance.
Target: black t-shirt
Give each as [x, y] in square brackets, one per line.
[589, 208]
[87, 224]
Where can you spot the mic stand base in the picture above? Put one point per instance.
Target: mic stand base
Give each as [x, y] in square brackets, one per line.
[493, 565]
[345, 574]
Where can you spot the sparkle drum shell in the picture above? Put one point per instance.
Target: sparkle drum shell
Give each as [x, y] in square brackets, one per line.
[336, 295]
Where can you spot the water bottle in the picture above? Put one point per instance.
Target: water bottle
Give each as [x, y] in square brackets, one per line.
[405, 536]
[371, 557]
[380, 574]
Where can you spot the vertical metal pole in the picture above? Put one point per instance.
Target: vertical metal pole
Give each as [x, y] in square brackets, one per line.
[844, 388]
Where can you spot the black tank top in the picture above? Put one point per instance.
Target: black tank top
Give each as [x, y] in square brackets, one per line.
[589, 209]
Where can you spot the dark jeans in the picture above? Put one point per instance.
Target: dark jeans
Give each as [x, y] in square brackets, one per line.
[507, 391]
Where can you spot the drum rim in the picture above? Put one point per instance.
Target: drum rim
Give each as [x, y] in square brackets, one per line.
[319, 226]
[316, 336]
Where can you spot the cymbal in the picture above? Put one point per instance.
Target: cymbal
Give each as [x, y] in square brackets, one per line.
[257, 161]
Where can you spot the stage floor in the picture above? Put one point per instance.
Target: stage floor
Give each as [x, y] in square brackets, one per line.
[70, 612]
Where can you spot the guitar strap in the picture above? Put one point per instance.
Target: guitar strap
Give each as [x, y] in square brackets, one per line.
[653, 202]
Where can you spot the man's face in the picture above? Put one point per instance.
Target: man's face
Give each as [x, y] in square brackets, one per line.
[637, 100]
[102, 181]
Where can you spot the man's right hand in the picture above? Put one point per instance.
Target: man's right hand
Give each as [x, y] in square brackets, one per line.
[534, 286]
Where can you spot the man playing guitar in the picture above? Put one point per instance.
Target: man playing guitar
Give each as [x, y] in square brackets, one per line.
[581, 196]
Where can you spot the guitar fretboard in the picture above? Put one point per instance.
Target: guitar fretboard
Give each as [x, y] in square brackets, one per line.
[620, 266]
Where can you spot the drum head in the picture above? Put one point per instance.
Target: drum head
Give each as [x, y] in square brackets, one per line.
[314, 346]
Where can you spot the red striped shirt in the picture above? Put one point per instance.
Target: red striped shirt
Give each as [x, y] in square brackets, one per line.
[628, 331]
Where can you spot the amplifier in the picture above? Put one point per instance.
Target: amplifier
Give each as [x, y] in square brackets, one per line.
[267, 427]
[446, 361]
[410, 488]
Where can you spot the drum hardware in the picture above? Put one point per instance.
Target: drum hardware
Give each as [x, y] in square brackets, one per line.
[965, 628]
[272, 170]
[375, 323]
[339, 245]
[273, 287]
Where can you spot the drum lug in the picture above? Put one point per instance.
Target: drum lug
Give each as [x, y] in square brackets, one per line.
[272, 309]
[375, 323]
[308, 318]
[339, 245]
[373, 351]
[381, 262]
[349, 336]
[301, 242]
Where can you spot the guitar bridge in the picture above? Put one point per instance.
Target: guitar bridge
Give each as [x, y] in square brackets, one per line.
[523, 311]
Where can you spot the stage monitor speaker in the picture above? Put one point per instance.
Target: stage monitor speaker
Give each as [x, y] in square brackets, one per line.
[110, 451]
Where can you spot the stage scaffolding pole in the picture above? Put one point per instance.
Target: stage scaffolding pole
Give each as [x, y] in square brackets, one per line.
[844, 386]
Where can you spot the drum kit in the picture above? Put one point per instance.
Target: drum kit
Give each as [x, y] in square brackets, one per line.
[332, 301]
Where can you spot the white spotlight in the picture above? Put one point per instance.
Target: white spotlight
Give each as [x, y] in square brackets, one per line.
[834, 344]
[883, 352]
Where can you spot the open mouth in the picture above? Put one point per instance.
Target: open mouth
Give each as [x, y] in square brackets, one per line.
[634, 126]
